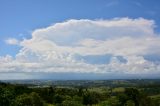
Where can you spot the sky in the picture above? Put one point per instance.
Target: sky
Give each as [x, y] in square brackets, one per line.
[79, 39]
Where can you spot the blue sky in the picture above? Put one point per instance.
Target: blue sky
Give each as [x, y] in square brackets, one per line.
[24, 22]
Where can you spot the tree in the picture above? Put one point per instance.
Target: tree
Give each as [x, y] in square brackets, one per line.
[90, 98]
[31, 99]
[138, 97]
[80, 91]
[113, 101]
[71, 103]
[36, 100]
[130, 103]
[6, 96]
[58, 98]
[133, 94]
[46, 94]
[122, 98]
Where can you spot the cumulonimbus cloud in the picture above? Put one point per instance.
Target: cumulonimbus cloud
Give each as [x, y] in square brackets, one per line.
[62, 46]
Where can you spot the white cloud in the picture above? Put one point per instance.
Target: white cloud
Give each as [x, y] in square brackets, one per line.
[12, 41]
[113, 3]
[54, 49]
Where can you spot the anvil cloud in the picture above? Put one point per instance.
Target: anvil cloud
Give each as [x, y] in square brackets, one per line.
[125, 45]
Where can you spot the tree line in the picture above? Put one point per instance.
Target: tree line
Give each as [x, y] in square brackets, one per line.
[21, 95]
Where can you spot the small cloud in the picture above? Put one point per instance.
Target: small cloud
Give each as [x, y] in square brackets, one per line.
[151, 12]
[138, 4]
[113, 3]
[12, 41]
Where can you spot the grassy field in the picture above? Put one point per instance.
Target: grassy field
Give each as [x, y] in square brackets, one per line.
[155, 96]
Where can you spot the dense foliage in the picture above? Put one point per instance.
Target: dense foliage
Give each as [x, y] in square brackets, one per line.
[24, 95]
